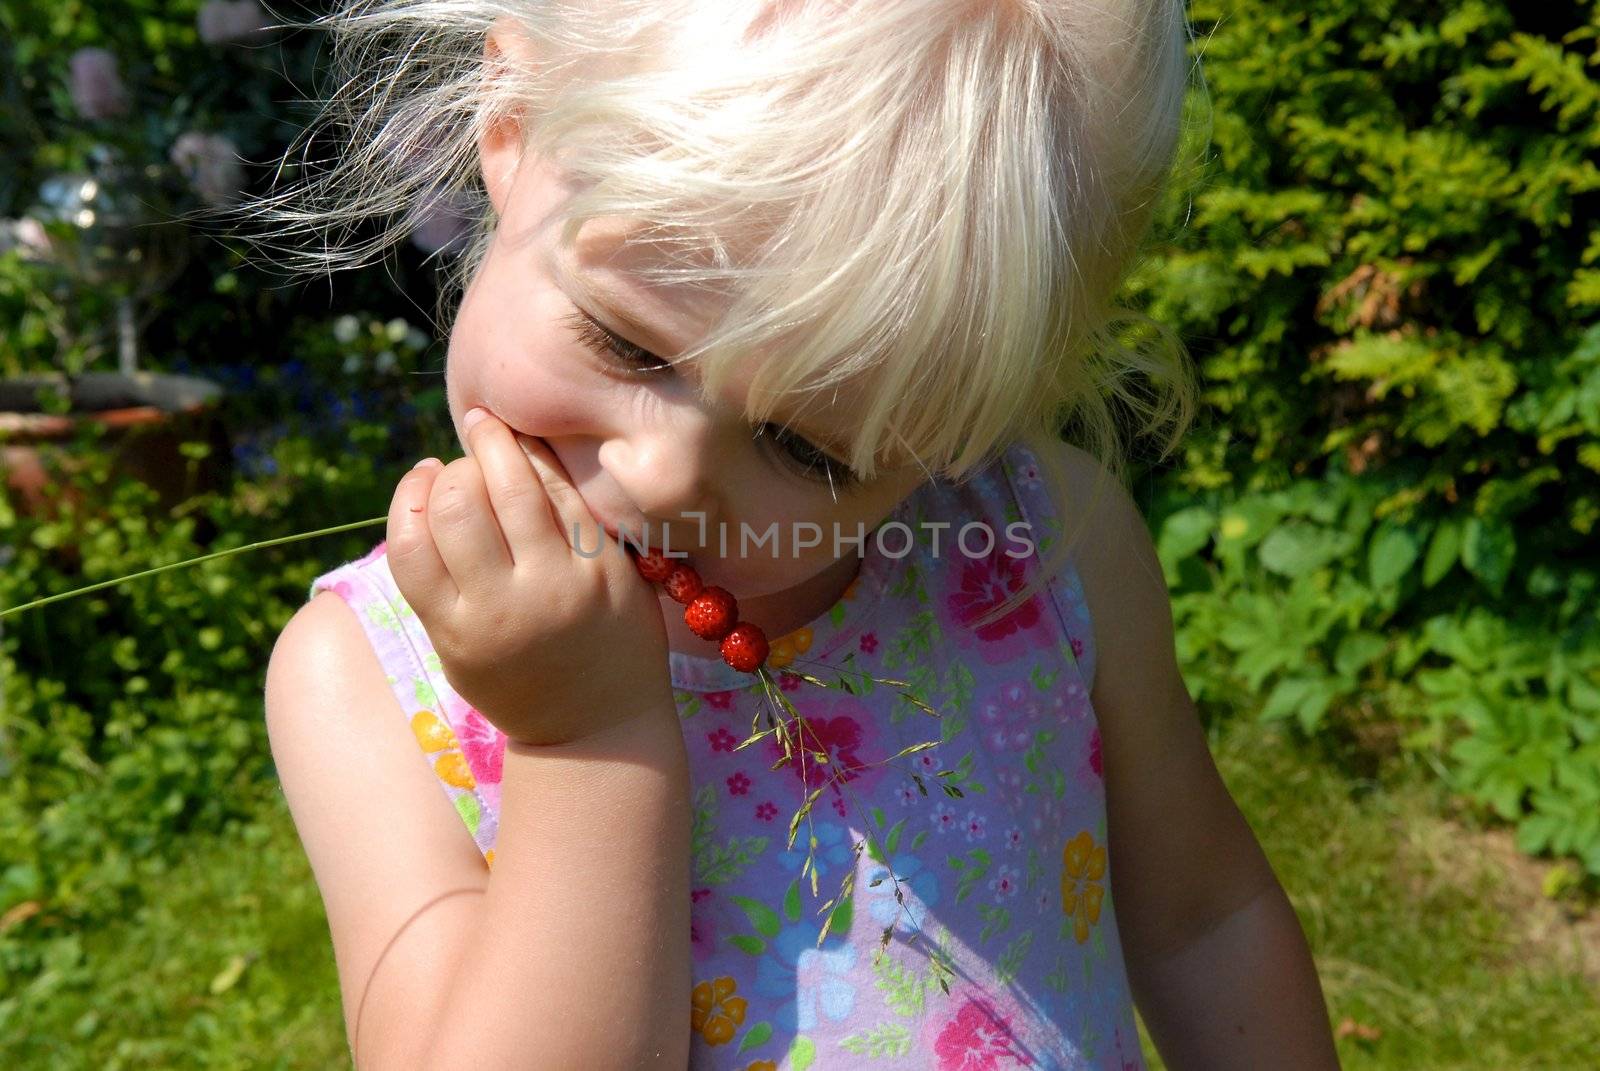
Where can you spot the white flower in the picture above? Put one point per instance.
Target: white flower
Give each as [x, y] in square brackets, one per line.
[220, 22]
[346, 328]
[211, 164]
[96, 87]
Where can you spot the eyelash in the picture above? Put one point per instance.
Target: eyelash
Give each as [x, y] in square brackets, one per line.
[802, 453]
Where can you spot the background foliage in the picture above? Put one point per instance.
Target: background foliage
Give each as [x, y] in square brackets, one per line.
[1385, 527]
[1382, 534]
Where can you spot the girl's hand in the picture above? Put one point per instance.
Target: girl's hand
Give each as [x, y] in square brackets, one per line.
[549, 645]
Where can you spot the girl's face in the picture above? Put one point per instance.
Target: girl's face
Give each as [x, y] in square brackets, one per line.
[642, 445]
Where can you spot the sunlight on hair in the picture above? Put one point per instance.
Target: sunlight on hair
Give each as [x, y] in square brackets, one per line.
[946, 194]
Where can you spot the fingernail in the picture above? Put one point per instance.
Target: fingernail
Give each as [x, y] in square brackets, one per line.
[475, 414]
[425, 462]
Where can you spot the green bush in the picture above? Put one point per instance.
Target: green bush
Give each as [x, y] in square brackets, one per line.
[1389, 514]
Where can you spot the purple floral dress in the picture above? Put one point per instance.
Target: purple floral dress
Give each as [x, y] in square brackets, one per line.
[1002, 947]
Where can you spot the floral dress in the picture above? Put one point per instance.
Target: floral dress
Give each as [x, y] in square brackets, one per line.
[978, 931]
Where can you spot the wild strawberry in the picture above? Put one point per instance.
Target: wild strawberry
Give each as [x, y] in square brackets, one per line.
[745, 648]
[712, 614]
[653, 565]
[683, 583]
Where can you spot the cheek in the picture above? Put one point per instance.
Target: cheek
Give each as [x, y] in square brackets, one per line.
[518, 366]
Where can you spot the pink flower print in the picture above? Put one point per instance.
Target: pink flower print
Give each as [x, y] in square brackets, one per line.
[869, 642]
[974, 825]
[975, 585]
[767, 811]
[696, 895]
[720, 700]
[738, 784]
[374, 554]
[1009, 781]
[1013, 838]
[977, 1038]
[944, 818]
[722, 740]
[482, 745]
[840, 728]
[1095, 762]
[1067, 700]
[1006, 883]
[1009, 717]
[702, 934]
[1077, 647]
[344, 589]
[838, 806]
[927, 763]
[908, 794]
[789, 682]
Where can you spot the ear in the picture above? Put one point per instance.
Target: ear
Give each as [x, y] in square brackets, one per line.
[500, 144]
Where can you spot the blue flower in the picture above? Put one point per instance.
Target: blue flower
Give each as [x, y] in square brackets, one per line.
[833, 849]
[813, 978]
[923, 891]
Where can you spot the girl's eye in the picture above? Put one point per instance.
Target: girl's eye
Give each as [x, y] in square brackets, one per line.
[814, 464]
[606, 344]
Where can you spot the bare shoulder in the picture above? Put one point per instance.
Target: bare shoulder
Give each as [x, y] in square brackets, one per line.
[390, 855]
[1182, 853]
[1129, 606]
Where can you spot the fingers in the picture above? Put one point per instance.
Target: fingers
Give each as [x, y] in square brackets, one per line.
[419, 571]
[515, 490]
[571, 511]
[465, 529]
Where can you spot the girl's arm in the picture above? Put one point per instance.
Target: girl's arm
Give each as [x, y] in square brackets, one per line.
[1217, 961]
[572, 952]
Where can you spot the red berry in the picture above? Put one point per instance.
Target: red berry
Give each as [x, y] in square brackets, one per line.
[683, 583]
[712, 614]
[745, 648]
[653, 565]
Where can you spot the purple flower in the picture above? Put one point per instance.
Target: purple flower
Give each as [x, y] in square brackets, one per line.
[220, 22]
[27, 236]
[442, 223]
[97, 90]
[211, 164]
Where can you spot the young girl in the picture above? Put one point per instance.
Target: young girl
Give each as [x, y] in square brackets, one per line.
[798, 293]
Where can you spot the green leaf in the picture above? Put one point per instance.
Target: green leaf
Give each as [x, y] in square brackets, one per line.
[1184, 533]
[802, 1053]
[755, 946]
[762, 917]
[1392, 552]
[229, 976]
[1296, 548]
[1357, 651]
[1443, 550]
[755, 1037]
[894, 836]
[791, 901]
[1488, 550]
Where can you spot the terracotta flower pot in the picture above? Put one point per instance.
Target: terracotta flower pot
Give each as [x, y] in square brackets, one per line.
[147, 416]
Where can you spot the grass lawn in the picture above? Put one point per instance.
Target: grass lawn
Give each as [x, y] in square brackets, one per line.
[1432, 939]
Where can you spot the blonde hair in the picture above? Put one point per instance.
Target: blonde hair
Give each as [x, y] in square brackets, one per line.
[941, 195]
